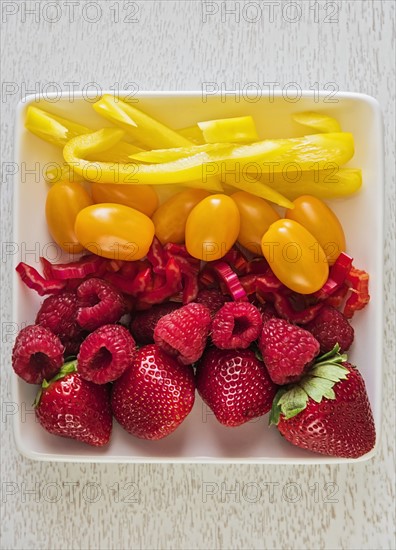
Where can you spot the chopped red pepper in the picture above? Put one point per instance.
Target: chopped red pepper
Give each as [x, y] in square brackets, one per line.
[285, 310]
[236, 260]
[32, 278]
[337, 275]
[231, 280]
[257, 266]
[337, 297]
[170, 286]
[86, 265]
[359, 297]
[157, 256]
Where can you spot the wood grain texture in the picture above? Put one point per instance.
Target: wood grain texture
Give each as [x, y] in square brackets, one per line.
[195, 506]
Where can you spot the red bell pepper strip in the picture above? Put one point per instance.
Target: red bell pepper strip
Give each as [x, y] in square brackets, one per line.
[336, 298]
[32, 278]
[337, 275]
[359, 297]
[157, 256]
[286, 311]
[86, 265]
[171, 285]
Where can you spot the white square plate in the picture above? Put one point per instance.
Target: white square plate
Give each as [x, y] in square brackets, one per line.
[201, 438]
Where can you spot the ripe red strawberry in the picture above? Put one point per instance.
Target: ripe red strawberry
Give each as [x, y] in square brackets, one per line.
[235, 385]
[183, 333]
[154, 396]
[144, 322]
[72, 407]
[328, 410]
[331, 327]
[287, 350]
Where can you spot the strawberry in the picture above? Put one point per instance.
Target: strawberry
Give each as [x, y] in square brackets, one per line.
[328, 410]
[72, 407]
[235, 384]
[153, 396]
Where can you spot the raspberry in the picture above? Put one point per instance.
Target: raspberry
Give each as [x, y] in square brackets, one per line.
[212, 299]
[183, 332]
[58, 314]
[287, 350]
[144, 322]
[37, 354]
[236, 325]
[105, 354]
[331, 327]
[103, 304]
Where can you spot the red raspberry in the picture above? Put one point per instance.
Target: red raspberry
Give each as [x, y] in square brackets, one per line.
[58, 314]
[287, 350]
[37, 354]
[144, 322]
[103, 304]
[236, 325]
[212, 299]
[183, 333]
[105, 354]
[235, 385]
[331, 327]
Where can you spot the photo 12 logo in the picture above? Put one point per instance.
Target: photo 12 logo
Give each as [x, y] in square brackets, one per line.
[269, 11]
[71, 11]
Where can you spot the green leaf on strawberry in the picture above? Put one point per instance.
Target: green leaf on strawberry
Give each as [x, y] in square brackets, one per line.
[316, 384]
[67, 368]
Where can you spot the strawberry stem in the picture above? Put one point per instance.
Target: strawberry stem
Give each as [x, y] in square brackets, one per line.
[67, 368]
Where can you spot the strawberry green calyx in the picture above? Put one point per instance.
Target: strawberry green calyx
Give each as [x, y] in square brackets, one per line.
[316, 384]
[67, 368]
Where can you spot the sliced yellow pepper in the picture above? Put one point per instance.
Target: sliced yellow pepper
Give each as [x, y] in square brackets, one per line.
[307, 153]
[157, 156]
[193, 134]
[324, 184]
[61, 173]
[181, 171]
[317, 121]
[229, 130]
[52, 128]
[145, 130]
[59, 131]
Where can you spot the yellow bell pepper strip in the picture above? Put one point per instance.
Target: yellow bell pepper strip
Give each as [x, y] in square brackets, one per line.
[52, 128]
[61, 173]
[260, 189]
[145, 130]
[317, 121]
[309, 152]
[158, 156]
[229, 130]
[188, 173]
[59, 131]
[323, 184]
[305, 151]
[192, 133]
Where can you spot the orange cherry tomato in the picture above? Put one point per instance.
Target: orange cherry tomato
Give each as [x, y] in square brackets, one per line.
[171, 217]
[64, 201]
[256, 217]
[321, 221]
[212, 227]
[295, 256]
[114, 231]
[140, 197]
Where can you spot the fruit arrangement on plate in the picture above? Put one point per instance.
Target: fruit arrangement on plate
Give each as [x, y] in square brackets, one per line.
[240, 288]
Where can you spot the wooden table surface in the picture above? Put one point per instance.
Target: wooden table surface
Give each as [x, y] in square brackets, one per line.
[170, 45]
